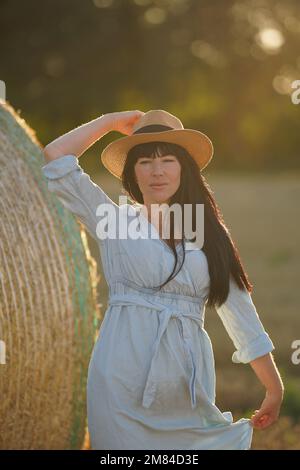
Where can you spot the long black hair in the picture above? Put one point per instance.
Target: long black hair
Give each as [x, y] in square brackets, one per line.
[222, 255]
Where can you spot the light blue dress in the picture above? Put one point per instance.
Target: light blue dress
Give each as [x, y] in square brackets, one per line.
[151, 377]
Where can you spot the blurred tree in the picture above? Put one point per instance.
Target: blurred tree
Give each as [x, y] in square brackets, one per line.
[225, 68]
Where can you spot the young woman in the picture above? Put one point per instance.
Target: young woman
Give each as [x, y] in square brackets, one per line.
[151, 378]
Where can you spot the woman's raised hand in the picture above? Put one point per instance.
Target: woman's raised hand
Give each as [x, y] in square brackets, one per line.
[124, 121]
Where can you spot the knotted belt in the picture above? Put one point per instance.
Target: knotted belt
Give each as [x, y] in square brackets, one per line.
[165, 314]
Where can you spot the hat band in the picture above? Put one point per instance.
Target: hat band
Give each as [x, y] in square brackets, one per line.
[153, 128]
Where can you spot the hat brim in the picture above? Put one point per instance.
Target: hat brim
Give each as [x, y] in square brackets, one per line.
[195, 142]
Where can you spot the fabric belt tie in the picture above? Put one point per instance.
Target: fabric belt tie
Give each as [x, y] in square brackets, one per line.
[165, 313]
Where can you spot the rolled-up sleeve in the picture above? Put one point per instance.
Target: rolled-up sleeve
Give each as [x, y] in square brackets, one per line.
[243, 325]
[76, 191]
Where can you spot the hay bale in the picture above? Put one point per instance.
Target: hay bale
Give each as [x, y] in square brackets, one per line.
[49, 317]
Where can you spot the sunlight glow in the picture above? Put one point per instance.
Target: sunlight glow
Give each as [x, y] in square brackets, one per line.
[270, 39]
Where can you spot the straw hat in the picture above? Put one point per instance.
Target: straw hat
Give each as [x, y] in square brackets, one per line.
[157, 125]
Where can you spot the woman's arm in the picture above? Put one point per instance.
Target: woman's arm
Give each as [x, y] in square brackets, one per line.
[78, 140]
[253, 346]
[268, 374]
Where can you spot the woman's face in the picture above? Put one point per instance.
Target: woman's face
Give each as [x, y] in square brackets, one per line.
[151, 171]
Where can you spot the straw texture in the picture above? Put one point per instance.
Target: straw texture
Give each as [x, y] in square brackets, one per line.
[49, 316]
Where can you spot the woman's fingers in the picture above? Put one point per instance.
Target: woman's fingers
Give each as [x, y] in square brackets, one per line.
[262, 421]
[125, 120]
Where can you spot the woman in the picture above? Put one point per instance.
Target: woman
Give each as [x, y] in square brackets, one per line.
[151, 378]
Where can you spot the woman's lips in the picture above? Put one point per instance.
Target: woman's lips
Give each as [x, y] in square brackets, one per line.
[158, 186]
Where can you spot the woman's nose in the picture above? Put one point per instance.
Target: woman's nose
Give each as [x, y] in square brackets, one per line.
[157, 168]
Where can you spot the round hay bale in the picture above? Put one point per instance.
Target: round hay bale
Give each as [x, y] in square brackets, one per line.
[49, 316]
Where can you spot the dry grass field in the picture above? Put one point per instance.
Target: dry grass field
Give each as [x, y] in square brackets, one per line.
[262, 214]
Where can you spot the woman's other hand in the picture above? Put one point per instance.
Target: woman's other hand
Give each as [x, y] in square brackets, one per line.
[269, 410]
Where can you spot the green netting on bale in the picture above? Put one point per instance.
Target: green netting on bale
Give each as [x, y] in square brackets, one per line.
[66, 235]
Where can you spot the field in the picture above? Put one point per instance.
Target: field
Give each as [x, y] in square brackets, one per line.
[262, 214]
